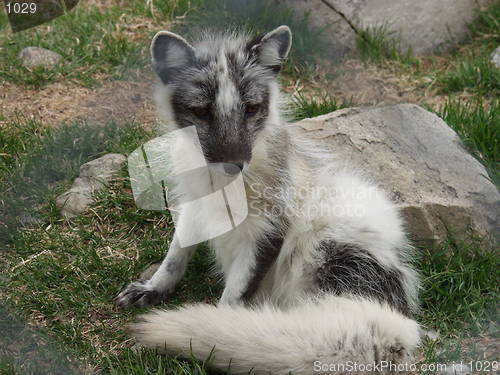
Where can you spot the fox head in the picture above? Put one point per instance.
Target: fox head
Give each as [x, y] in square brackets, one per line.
[224, 84]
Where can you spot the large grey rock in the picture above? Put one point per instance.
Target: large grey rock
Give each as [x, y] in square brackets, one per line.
[94, 176]
[425, 26]
[420, 161]
[339, 36]
[33, 57]
[495, 57]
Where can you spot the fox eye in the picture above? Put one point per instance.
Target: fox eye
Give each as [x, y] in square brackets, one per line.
[201, 112]
[251, 109]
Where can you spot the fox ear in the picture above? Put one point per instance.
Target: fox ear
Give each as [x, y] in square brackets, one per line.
[272, 48]
[170, 52]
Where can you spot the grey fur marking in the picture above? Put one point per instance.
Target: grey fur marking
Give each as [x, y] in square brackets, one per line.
[348, 269]
[268, 249]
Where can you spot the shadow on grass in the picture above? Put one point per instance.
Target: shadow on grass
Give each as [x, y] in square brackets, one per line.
[24, 351]
[38, 159]
[66, 274]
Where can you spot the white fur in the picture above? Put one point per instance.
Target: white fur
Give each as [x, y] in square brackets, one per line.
[267, 340]
[227, 93]
[162, 98]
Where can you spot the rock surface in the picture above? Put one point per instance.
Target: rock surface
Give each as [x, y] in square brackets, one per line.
[94, 176]
[425, 26]
[495, 57]
[339, 36]
[149, 271]
[34, 57]
[420, 162]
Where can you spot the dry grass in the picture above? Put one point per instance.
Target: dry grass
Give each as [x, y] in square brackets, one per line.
[121, 101]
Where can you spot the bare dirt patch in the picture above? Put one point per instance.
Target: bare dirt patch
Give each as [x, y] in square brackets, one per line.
[366, 84]
[371, 85]
[64, 102]
[131, 100]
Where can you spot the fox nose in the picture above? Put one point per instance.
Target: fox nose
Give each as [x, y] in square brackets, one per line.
[233, 168]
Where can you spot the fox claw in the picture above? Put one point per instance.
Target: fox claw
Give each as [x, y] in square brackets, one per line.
[139, 294]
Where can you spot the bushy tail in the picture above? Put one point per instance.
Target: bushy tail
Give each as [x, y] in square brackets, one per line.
[302, 340]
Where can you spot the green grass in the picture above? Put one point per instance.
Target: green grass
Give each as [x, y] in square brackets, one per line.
[69, 272]
[74, 270]
[24, 350]
[459, 299]
[4, 21]
[91, 41]
[461, 287]
[94, 41]
[8, 367]
[162, 10]
[36, 160]
[477, 118]
[148, 362]
[478, 124]
[302, 107]
[379, 44]
[472, 69]
[17, 139]
[478, 75]
[88, 40]
[487, 25]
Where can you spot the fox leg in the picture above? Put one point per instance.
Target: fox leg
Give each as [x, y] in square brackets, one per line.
[143, 293]
[249, 268]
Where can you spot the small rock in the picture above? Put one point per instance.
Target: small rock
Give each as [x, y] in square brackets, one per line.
[495, 57]
[149, 271]
[34, 57]
[103, 168]
[94, 176]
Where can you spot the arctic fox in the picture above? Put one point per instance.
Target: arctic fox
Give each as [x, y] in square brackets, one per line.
[318, 276]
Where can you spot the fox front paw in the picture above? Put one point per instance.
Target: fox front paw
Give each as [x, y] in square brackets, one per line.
[139, 294]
